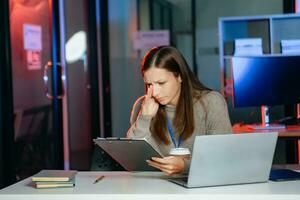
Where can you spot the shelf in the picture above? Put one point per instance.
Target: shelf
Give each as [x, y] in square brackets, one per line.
[263, 55]
[271, 28]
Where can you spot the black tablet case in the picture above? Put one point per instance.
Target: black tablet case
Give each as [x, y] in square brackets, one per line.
[284, 175]
[129, 153]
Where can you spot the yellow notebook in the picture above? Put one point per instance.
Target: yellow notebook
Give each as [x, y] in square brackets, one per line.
[54, 184]
[54, 175]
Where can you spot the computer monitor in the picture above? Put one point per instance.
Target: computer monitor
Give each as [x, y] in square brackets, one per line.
[265, 80]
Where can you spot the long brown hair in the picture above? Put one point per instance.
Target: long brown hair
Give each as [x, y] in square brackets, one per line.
[170, 59]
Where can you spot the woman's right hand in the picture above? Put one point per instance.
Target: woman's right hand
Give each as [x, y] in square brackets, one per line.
[149, 106]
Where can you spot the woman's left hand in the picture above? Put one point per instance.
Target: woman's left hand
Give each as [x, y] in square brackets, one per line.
[169, 165]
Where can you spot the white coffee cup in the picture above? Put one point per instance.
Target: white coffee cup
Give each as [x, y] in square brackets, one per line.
[183, 152]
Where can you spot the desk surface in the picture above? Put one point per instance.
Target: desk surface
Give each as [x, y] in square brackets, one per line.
[289, 131]
[145, 185]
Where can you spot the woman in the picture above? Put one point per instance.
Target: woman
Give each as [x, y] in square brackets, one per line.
[176, 108]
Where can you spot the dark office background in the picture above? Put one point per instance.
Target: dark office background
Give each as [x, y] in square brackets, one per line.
[6, 102]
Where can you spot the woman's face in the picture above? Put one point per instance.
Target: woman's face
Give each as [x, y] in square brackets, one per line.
[166, 86]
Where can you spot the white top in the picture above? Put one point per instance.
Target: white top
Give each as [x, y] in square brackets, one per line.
[210, 115]
[142, 185]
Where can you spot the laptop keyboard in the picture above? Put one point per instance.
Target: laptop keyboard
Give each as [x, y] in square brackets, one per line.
[181, 179]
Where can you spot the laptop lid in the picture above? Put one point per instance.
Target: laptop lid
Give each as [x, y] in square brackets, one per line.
[231, 159]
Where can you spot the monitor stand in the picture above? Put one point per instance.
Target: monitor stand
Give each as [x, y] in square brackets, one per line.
[266, 125]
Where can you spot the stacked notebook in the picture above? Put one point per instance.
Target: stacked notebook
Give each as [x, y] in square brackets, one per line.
[54, 178]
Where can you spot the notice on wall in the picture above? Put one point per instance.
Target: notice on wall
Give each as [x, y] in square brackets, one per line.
[33, 60]
[148, 39]
[32, 37]
[33, 45]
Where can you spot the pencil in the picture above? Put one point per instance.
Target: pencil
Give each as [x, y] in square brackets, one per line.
[98, 179]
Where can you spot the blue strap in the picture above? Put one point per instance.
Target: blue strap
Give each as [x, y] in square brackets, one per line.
[172, 135]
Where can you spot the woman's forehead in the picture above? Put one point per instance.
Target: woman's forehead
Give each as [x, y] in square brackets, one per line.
[156, 74]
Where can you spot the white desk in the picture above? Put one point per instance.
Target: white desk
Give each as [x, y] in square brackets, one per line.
[124, 185]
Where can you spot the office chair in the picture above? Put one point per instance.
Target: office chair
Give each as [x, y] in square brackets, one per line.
[34, 142]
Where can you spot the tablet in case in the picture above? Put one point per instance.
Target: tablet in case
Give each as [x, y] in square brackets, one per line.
[284, 175]
[130, 153]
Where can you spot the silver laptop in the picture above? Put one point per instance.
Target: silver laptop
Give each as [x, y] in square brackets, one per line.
[230, 159]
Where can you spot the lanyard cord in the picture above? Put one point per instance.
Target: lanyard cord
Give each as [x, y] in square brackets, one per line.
[171, 132]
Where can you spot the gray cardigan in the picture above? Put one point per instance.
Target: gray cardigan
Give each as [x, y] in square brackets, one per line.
[217, 122]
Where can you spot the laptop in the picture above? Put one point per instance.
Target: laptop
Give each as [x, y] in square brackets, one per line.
[229, 159]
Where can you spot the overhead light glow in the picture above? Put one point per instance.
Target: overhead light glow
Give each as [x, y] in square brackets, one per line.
[76, 47]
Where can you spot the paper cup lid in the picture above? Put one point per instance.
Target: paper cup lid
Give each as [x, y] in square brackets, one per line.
[180, 151]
